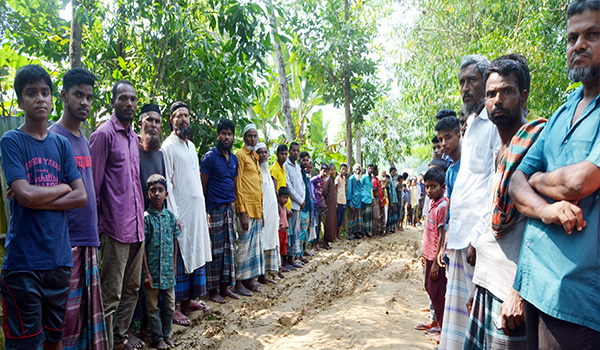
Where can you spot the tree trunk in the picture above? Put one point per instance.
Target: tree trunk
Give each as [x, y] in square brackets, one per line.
[75, 42]
[284, 91]
[347, 96]
[359, 159]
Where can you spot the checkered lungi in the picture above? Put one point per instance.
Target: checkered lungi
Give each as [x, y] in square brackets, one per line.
[249, 254]
[221, 270]
[189, 286]
[367, 214]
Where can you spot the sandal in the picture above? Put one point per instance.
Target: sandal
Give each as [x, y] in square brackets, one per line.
[195, 306]
[423, 326]
[180, 319]
[244, 292]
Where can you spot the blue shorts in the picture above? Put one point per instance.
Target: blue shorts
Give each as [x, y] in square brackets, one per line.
[34, 305]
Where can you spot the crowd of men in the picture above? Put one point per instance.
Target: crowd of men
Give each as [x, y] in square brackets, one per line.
[523, 274]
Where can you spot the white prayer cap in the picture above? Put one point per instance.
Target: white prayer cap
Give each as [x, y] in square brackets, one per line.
[249, 127]
[261, 145]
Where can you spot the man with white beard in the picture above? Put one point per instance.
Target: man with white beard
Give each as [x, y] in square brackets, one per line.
[271, 215]
[249, 255]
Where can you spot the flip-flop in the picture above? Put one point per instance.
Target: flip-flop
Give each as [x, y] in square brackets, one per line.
[298, 266]
[196, 306]
[423, 327]
[245, 292]
[290, 267]
[180, 319]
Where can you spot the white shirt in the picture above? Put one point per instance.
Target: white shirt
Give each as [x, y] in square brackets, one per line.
[270, 210]
[469, 208]
[295, 183]
[186, 200]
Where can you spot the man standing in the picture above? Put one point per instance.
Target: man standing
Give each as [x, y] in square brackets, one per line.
[43, 182]
[297, 195]
[500, 243]
[306, 213]
[116, 169]
[469, 203]
[271, 215]
[278, 169]
[84, 321]
[249, 255]
[557, 276]
[366, 184]
[317, 182]
[219, 171]
[186, 201]
[355, 219]
[340, 187]
[151, 157]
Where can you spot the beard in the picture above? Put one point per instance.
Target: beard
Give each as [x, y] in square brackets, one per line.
[250, 148]
[264, 166]
[150, 142]
[583, 74]
[74, 113]
[225, 147]
[474, 108]
[184, 133]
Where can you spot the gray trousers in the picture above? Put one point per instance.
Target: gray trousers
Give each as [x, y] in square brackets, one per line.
[160, 315]
[120, 274]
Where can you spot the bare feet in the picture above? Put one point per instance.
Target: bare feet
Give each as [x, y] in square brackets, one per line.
[181, 319]
[169, 342]
[161, 345]
[134, 341]
[229, 294]
[190, 305]
[280, 273]
[264, 280]
[216, 297]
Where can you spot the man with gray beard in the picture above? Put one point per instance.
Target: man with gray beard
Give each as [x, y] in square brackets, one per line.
[151, 157]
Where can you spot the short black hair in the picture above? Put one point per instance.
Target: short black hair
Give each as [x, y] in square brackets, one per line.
[440, 163]
[282, 147]
[77, 76]
[435, 174]
[30, 74]
[324, 166]
[375, 167]
[331, 165]
[405, 175]
[505, 67]
[522, 60]
[156, 179]
[393, 168]
[448, 123]
[580, 6]
[284, 191]
[435, 139]
[446, 112]
[225, 124]
[119, 83]
[304, 154]
[294, 144]
[343, 165]
[371, 165]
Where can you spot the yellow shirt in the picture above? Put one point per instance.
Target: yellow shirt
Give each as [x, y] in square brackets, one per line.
[278, 173]
[248, 186]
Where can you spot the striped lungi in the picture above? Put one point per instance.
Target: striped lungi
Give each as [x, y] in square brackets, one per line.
[293, 242]
[458, 291]
[221, 270]
[84, 325]
[189, 286]
[355, 221]
[367, 214]
[393, 220]
[272, 260]
[249, 255]
[482, 334]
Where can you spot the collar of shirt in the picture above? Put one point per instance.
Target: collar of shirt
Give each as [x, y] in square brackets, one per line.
[153, 211]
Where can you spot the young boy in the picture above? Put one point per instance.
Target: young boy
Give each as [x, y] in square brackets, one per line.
[435, 276]
[43, 182]
[160, 261]
[448, 130]
[284, 214]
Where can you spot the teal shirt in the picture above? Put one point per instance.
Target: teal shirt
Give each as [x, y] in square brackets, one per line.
[366, 185]
[161, 231]
[559, 273]
[353, 192]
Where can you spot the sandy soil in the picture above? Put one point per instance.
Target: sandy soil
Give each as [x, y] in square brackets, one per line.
[360, 295]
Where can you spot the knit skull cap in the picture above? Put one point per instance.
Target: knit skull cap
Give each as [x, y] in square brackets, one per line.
[176, 105]
[150, 107]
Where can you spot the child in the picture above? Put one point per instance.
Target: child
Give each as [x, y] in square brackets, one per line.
[284, 214]
[435, 276]
[159, 266]
[43, 182]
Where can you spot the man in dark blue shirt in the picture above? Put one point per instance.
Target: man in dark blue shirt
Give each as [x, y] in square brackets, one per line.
[218, 171]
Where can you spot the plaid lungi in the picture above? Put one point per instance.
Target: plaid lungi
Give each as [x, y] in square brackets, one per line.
[393, 219]
[189, 286]
[304, 228]
[293, 242]
[272, 260]
[458, 290]
[355, 221]
[367, 214]
[84, 317]
[221, 270]
[482, 334]
[249, 255]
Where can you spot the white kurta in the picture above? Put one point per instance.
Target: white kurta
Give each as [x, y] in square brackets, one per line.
[186, 200]
[270, 211]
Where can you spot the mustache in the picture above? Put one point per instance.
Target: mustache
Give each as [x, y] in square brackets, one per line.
[495, 110]
[584, 53]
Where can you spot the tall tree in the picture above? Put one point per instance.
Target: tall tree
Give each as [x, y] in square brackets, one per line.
[76, 33]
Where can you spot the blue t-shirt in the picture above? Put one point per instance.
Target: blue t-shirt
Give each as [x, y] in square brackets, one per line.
[220, 188]
[37, 239]
[451, 176]
[366, 185]
[83, 222]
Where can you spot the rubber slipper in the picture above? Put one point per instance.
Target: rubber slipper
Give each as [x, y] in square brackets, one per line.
[245, 292]
[423, 326]
[298, 266]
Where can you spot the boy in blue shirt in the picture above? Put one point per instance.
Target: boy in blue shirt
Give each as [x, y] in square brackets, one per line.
[43, 182]
[161, 231]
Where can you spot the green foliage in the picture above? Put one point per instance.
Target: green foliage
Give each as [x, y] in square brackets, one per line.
[446, 30]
